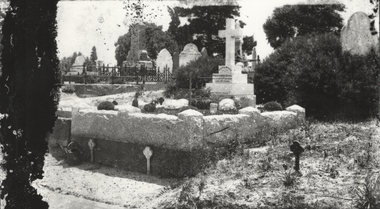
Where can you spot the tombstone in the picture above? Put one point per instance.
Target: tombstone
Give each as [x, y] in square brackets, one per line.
[190, 52]
[356, 36]
[229, 81]
[77, 67]
[204, 52]
[164, 60]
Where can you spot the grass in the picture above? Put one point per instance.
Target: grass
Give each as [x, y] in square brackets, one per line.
[338, 157]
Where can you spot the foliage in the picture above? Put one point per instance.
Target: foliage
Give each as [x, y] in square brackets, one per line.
[29, 95]
[291, 21]
[372, 16]
[311, 71]
[93, 56]
[152, 39]
[68, 89]
[202, 67]
[248, 44]
[67, 62]
[106, 105]
[366, 195]
[201, 103]
[203, 27]
[272, 106]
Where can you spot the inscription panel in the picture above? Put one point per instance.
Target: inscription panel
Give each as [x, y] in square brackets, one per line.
[220, 78]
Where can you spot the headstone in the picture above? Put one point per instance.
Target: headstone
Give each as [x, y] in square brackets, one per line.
[77, 67]
[164, 60]
[213, 108]
[204, 52]
[175, 61]
[356, 36]
[229, 81]
[190, 52]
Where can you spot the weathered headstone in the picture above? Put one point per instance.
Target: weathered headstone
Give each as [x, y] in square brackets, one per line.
[77, 67]
[229, 81]
[356, 36]
[164, 60]
[190, 52]
[204, 52]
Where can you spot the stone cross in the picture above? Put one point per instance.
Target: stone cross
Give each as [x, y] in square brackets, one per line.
[230, 34]
[148, 154]
[297, 150]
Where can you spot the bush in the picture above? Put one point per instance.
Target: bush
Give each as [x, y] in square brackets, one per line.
[106, 105]
[201, 103]
[312, 71]
[202, 67]
[272, 106]
[68, 89]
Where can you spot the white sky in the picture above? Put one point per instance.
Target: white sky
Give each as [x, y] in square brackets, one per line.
[79, 28]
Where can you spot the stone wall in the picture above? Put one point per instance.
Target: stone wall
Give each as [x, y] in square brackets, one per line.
[182, 145]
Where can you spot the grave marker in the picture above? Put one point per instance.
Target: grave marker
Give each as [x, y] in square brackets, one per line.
[356, 36]
[229, 81]
[164, 60]
[190, 52]
[297, 151]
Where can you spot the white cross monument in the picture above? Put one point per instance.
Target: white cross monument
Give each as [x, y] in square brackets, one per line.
[230, 34]
[229, 81]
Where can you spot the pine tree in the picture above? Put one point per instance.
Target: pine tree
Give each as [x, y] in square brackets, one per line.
[93, 56]
[28, 97]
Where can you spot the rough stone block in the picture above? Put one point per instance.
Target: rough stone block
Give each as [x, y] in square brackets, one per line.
[299, 110]
[282, 120]
[61, 133]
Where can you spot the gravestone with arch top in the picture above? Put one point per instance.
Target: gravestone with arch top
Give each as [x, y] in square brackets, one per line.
[356, 36]
[164, 61]
[229, 81]
[190, 52]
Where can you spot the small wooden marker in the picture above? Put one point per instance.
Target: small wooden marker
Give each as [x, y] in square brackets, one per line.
[147, 153]
[91, 144]
[297, 150]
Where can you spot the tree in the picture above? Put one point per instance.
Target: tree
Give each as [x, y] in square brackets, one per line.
[29, 97]
[248, 44]
[93, 56]
[154, 38]
[290, 21]
[203, 27]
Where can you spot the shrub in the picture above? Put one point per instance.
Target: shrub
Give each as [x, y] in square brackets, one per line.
[106, 105]
[202, 67]
[160, 100]
[272, 106]
[312, 71]
[68, 89]
[114, 102]
[201, 103]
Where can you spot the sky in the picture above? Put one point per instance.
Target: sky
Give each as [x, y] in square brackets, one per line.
[84, 24]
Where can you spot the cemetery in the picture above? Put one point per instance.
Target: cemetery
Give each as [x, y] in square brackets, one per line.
[257, 155]
[199, 124]
[182, 145]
